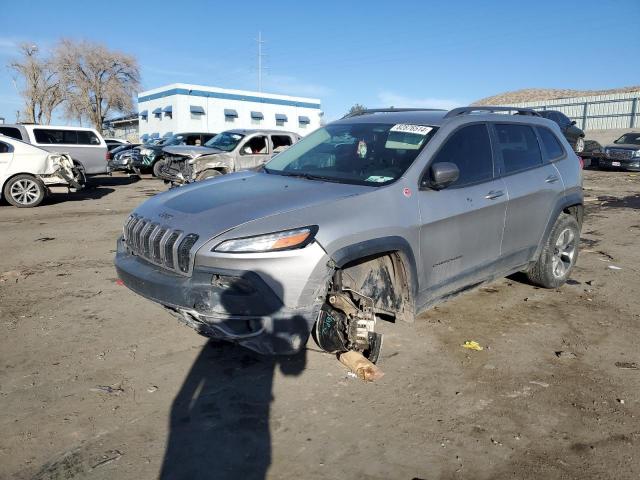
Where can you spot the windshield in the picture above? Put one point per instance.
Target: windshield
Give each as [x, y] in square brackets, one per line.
[173, 140]
[629, 138]
[361, 153]
[225, 141]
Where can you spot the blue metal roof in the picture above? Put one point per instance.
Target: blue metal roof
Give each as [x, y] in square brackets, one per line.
[144, 113]
[157, 111]
[226, 96]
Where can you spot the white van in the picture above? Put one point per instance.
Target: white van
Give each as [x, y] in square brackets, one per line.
[28, 173]
[85, 146]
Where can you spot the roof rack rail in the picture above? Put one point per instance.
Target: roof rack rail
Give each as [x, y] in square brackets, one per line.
[464, 110]
[388, 110]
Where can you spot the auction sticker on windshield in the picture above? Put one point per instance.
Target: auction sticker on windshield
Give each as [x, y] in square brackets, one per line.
[406, 128]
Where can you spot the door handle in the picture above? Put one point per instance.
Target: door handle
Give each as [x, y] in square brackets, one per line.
[493, 194]
[551, 179]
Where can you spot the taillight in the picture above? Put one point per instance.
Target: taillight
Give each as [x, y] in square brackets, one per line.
[581, 160]
[107, 156]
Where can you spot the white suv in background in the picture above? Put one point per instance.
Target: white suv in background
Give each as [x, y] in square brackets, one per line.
[85, 146]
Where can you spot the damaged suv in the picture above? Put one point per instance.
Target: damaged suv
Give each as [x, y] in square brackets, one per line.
[227, 152]
[374, 217]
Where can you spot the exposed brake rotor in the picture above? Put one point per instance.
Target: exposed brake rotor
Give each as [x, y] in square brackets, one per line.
[347, 322]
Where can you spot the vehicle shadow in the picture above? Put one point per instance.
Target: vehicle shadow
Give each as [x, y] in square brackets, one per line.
[219, 421]
[84, 194]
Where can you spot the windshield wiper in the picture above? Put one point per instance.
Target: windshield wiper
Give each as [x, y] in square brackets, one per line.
[309, 176]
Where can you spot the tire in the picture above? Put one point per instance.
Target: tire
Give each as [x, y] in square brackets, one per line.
[81, 177]
[579, 147]
[559, 254]
[157, 168]
[24, 191]
[208, 174]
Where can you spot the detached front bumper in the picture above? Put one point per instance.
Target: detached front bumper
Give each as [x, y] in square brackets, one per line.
[228, 304]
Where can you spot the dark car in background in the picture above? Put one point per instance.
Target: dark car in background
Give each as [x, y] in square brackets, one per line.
[151, 154]
[573, 134]
[120, 158]
[623, 153]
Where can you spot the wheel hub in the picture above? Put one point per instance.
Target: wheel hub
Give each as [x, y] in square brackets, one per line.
[564, 253]
[25, 192]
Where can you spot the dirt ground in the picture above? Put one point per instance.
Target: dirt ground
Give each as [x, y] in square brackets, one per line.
[97, 383]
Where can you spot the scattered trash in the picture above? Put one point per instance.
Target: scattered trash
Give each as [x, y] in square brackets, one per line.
[620, 401]
[589, 282]
[152, 388]
[119, 282]
[362, 367]
[472, 345]
[44, 239]
[490, 290]
[613, 267]
[351, 375]
[627, 365]
[108, 389]
[113, 455]
[565, 354]
[541, 384]
[495, 442]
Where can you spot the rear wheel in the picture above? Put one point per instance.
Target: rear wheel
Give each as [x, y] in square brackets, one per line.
[24, 191]
[559, 254]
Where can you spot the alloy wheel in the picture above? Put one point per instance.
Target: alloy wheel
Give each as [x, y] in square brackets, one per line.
[564, 253]
[25, 191]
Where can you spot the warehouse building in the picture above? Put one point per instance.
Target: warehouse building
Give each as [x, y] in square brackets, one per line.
[194, 108]
[595, 112]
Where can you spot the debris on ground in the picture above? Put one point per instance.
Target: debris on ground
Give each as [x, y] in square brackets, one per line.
[627, 365]
[152, 388]
[112, 456]
[620, 401]
[472, 345]
[111, 389]
[12, 276]
[564, 354]
[44, 239]
[613, 267]
[361, 366]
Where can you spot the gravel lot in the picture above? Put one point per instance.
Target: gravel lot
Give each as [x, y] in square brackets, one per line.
[96, 382]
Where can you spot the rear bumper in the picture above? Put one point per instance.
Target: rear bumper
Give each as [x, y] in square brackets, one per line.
[228, 304]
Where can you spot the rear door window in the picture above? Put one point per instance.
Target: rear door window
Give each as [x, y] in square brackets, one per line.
[470, 149]
[11, 132]
[86, 137]
[518, 146]
[552, 146]
[53, 136]
[280, 142]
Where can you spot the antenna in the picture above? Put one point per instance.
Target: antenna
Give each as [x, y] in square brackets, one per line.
[260, 55]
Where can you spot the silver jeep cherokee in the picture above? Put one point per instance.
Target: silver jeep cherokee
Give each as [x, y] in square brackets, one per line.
[377, 216]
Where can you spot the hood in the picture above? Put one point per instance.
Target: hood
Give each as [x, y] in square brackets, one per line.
[212, 207]
[624, 146]
[191, 151]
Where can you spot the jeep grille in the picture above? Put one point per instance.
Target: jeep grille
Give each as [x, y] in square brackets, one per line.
[620, 154]
[160, 245]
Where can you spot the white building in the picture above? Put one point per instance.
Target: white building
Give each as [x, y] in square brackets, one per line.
[194, 108]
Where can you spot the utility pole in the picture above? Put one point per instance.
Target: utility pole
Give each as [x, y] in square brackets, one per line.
[260, 55]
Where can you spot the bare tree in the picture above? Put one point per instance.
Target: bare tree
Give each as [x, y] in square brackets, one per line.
[41, 90]
[356, 109]
[97, 81]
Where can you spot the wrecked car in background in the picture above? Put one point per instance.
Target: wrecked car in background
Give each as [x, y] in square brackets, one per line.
[28, 173]
[377, 216]
[227, 152]
[150, 155]
[623, 153]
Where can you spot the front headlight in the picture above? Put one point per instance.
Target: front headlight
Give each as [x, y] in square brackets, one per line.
[270, 242]
[146, 151]
[636, 153]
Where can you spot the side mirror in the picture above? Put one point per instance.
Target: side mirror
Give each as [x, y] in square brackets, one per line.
[573, 122]
[441, 175]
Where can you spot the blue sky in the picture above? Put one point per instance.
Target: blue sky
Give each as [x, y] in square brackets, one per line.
[377, 53]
